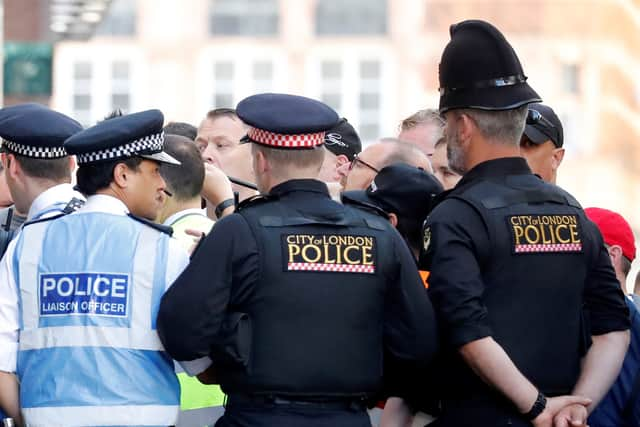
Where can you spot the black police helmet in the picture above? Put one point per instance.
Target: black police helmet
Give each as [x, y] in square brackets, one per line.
[479, 69]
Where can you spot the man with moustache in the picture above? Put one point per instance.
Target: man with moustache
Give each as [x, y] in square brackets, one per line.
[516, 268]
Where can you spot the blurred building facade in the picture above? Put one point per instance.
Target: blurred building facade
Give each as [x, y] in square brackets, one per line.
[375, 61]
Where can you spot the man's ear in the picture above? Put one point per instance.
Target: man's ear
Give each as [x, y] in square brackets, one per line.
[261, 162]
[121, 174]
[72, 163]
[465, 127]
[556, 158]
[393, 219]
[341, 159]
[615, 252]
[11, 166]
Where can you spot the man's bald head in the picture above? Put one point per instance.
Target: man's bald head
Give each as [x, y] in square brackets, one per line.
[388, 151]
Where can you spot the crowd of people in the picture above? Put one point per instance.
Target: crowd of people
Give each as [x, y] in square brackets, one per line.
[263, 269]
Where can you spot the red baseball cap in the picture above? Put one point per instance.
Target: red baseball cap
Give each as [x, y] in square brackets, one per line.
[615, 230]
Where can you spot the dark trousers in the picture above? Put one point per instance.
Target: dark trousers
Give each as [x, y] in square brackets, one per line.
[292, 415]
[479, 412]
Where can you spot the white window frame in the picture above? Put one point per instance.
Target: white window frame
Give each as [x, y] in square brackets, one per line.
[243, 58]
[351, 85]
[101, 58]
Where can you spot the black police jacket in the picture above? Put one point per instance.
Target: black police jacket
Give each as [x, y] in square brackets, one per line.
[515, 258]
[299, 295]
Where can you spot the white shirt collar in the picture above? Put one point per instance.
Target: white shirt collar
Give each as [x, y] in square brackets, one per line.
[104, 203]
[176, 216]
[58, 194]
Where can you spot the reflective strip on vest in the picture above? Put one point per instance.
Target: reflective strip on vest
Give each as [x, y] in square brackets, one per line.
[72, 416]
[98, 367]
[91, 336]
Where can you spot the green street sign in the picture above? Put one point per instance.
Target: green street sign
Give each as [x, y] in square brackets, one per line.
[27, 69]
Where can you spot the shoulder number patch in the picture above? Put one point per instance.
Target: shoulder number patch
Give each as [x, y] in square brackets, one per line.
[426, 238]
[545, 233]
[329, 253]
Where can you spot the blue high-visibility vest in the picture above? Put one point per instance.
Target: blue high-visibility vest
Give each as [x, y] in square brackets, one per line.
[89, 354]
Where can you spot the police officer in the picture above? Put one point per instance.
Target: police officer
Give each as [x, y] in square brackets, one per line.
[38, 174]
[89, 285]
[38, 169]
[297, 300]
[516, 268]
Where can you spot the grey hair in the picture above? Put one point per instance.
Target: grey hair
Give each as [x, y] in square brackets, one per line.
[403, 152]
[504, 127]
[428, 115]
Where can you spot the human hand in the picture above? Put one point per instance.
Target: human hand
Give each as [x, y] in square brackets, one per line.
[556, 405]
[571, 416]
[197, 237]
[216, 187]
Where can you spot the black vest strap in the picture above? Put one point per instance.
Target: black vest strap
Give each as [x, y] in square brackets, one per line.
[532, 196]
[276, 221]
[5, 238]
[50, 218]
[159, 227]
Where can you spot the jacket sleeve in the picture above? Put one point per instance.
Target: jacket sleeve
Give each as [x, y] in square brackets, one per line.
[410, 325]
[458, 244]
[193, 308]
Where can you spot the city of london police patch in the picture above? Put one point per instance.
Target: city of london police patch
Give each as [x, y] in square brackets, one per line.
[545, 233]
[329, 253]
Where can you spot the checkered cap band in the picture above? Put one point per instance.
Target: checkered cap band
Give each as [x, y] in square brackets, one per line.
[334, 268]
[148, 145]
[34, 152]
[305, 140]
[560, 247]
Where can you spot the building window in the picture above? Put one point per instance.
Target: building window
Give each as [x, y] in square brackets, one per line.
[243, 17]
[369, 103]
[120, 86]
[331, 83]
[82, 76]
[223, 85]
[262, 73]
[119, 20]
[571, 78]
[354, 17]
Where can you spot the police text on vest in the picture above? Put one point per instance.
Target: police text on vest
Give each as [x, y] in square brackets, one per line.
[102, 294]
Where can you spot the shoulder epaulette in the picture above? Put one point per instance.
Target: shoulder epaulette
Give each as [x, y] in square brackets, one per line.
[73, 205]
[369, 207]
[253, 201]
[159, 227]
[440, 197]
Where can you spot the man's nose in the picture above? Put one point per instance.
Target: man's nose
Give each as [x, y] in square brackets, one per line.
[210, 155]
